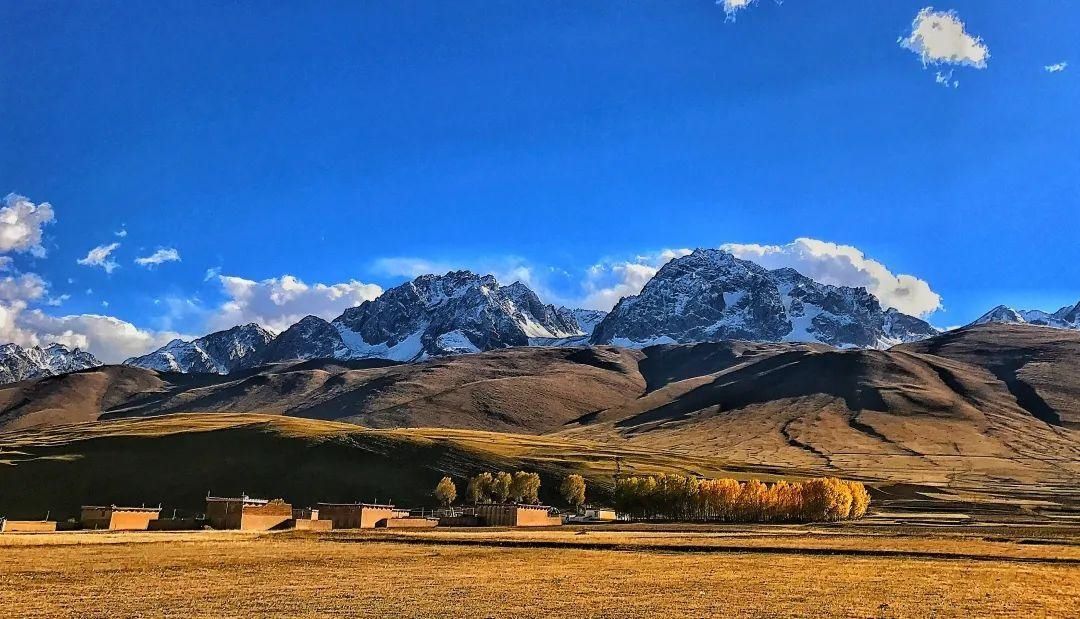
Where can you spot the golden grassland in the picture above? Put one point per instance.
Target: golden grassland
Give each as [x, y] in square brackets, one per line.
[646, 571]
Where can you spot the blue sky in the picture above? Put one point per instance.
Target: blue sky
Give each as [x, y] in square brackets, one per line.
[569, 143]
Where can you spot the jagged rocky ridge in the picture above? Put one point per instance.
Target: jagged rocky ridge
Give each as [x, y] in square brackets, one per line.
[433, 315]
[218, 353]
[711, 295]
[1067, 317]
[18, 363]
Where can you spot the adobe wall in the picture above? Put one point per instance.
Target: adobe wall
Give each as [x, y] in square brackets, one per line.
[465, 520]
[176, 524]
[95, 517]
[410, 523]
[535, 518]
[354, 516]
[370, 517]
[265, 517]
[224, 514]
[27, 526]
[306, 524]
[131, 521]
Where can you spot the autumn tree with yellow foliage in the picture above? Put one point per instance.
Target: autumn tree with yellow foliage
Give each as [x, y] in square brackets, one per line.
[679, 497]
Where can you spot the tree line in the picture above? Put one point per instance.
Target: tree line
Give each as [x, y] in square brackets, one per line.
[679, 497]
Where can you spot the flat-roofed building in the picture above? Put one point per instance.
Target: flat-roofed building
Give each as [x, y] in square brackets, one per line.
[247, 514]
[356, 515]
[516, 515]
[117, 518]
[26, 526]
[600, 514]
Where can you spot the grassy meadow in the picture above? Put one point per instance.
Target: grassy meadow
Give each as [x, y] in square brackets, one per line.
[640, 571]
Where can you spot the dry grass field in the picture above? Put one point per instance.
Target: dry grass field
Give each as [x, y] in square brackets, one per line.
[601, 572]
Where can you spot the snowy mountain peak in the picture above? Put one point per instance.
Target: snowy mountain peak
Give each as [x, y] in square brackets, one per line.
[238, 348]
[1067, 317]
[18, 363]
[710, 295]
[447, 314]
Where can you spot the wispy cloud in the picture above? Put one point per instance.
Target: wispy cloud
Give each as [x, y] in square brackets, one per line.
[731, 7]
[1057, 67]
[166, 254]
[99, 257]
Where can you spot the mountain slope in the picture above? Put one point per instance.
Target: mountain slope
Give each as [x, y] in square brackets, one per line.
[710, 295]
[221, 352]
[18, 363]
[968, 407]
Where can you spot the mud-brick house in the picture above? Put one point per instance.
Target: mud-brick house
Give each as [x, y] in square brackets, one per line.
[515, 515]
[26, 526]
[247, 514]
[307, 519]
[116, 518]
[356, 515]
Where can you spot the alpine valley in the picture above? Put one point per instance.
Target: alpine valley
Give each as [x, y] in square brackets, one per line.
[717, 367]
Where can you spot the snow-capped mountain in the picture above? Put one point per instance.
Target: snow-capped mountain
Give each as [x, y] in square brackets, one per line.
[459, 312]
[222, 352]
[707, 295]
[1067, 317]
[18, 363]
[712, 295]
[311, 338]
[586, 319]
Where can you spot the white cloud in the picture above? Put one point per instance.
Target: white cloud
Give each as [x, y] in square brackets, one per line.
[211, 273]
[939, 37]
[608, 281]
[1056, 67]
[160, 256]
[21, 222]
[57, 301]
[844, 265]
[122, 232]
[108, 338]
[279, 302]
[99, 257]
[22, 288]
[731, 7]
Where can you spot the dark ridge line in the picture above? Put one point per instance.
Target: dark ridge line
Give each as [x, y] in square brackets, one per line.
[1026, 396]
[794, 442]
[705, 549]
[868, 430]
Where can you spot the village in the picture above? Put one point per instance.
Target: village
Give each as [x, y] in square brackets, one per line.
[497, 500]
[500, 500]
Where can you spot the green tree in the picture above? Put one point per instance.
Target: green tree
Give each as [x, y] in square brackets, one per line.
[573, 490]
[501, 486]
[446, 492]
[525, 487]
[479, 488]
